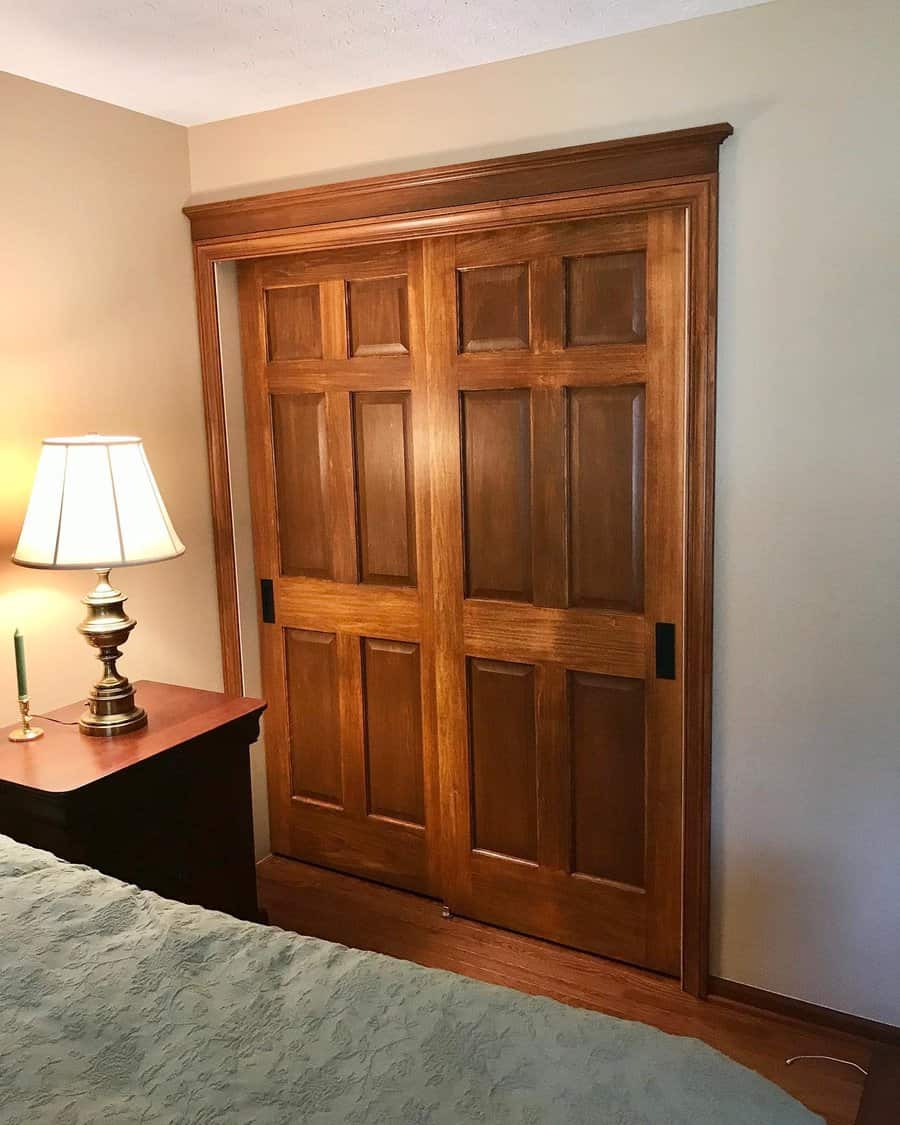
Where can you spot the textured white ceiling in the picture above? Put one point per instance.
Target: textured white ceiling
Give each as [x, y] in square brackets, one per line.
[192, 61]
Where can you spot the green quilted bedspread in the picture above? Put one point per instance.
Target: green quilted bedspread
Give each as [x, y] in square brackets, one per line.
[117, 1006]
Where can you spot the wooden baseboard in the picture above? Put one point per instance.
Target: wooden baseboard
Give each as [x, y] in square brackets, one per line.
[803, 1010]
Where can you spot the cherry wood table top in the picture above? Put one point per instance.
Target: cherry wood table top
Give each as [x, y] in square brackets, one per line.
[65, 759]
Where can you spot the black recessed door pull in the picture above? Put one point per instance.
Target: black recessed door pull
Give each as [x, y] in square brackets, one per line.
[665, 650]
[267, 598]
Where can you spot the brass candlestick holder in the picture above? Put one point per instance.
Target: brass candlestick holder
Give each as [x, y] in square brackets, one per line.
[26, 732]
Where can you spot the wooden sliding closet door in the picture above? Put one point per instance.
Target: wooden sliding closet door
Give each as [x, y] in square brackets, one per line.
[556, 406]
[467, 460]
[332, 346]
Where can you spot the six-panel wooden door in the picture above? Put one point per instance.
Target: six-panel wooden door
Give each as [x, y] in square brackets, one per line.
[332, 347]
[468, 458]
[557, 388]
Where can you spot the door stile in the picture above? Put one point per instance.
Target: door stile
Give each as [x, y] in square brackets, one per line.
[666, 370]
[447, 560]
[549, 485]
[352, 725]
[423, 461]
[342, 510]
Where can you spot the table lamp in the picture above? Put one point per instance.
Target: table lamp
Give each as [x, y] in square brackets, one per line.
[95, 505]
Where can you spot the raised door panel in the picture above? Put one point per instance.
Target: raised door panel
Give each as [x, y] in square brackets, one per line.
[384, 475]
[606, 497]
[293, 322]
[606, 299]
[301, 483]
[494, 310]
[393, 725]
[606, 715]
[497, 492]
[503, 758]
[314, 713]
[378, 316]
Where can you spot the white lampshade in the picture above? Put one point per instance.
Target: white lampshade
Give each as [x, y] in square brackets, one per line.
[95, 504]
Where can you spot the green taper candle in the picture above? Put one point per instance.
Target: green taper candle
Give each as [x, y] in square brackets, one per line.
[21, 677]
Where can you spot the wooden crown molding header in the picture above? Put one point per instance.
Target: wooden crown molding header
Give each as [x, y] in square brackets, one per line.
[658, 156]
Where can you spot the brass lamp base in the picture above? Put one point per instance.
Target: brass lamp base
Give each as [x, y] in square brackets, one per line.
[110, 707]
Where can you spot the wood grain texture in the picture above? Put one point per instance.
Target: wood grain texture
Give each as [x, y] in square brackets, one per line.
[606, 505]
[341, 477]
[677, 154]
[508, 214]
[494, 313]
[554, 766]
[378, 316]
[537, 242]
[293, 322]
[361, 914]
[300, 443]
[664, 575]
[425, 579]
[611, 364]
[315, 734]
[333, 292]
[549, 491]
[349, 608]
[350, 692]
[386, 851]
[393, 708]
[496, 435]
[373, 373]
[607, 643]
[325, 267]
[608, 777]
[219, 473]
[442, 419]
[504, 763]
[386, 515]
[65, 760]
[702, 218]
[792, 1008]
[606, 299]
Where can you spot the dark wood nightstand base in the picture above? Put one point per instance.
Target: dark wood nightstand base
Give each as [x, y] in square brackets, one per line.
[173, 816]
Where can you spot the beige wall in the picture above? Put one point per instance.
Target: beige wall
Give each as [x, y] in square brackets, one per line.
[806, 883]
[97, 332]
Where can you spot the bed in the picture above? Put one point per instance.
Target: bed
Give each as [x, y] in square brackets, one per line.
[118, 1006]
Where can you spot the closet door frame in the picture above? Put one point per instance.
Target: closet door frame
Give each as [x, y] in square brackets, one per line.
[665, 170]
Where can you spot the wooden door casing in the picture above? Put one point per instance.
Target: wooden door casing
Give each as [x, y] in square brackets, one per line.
[558, 363]
[670, 170]
[333, 354]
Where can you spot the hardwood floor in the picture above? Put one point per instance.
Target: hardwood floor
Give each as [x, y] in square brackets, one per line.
[354, 912]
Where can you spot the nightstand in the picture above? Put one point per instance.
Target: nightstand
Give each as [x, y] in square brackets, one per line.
[166, 808]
